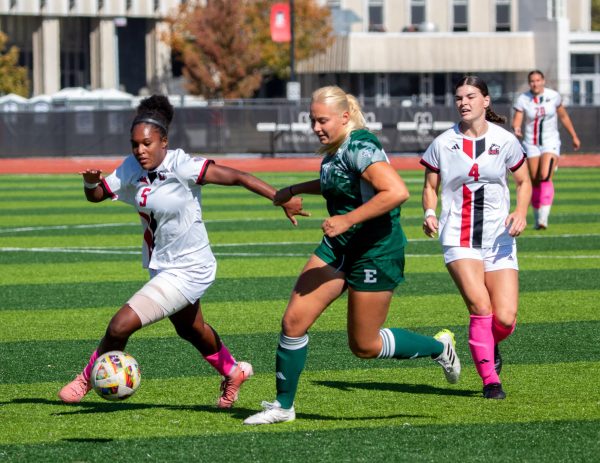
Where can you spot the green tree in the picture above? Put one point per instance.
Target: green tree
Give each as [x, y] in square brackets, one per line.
[226, 48]
[13, 78]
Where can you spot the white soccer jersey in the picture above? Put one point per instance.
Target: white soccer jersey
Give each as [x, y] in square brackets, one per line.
[541, 127]
[168, 201]
[475, 194]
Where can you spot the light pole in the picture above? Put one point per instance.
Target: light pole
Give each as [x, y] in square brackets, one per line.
[292, 50]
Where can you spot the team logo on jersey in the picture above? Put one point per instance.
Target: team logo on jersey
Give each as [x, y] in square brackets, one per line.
[367, 153]
[494, 150]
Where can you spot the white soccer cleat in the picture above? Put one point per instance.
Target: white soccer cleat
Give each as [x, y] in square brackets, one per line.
[448, 359]
[272, 413]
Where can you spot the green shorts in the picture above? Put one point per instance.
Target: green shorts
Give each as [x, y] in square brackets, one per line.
[366, 273]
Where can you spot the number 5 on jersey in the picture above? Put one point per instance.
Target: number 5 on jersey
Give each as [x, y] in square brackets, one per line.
[144, 195]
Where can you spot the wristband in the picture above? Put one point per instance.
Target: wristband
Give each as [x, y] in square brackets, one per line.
[90, 186]
[429, 213]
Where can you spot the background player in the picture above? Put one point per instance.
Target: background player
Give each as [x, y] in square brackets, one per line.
[540, 107]
[469, 162]
[164, 186]
[362, 251]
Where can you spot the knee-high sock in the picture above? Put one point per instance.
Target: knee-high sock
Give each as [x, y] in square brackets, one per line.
[87, 371]
[500, 331]
[481, 343]
[222, 360]
[546, 193]
[536, 193]
[403, 344]
[289, 363]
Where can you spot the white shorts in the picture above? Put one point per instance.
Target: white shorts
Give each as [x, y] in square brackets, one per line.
[535, 151]
[497, 258]
[169, 291]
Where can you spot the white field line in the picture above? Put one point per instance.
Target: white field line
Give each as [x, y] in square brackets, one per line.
[128, 251]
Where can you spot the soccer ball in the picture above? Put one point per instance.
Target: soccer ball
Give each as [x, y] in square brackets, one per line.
[115, 375]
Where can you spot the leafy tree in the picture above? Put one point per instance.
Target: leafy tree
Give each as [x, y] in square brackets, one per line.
[215, 45]
[226, 48]
[13, 78]
[596, 15]
[313, 34]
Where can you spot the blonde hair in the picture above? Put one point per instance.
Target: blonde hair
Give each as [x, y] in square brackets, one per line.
[343, 102]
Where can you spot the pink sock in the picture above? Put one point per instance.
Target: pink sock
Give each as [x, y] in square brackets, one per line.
[535, 196]
[87, 371]
[481, 343]
[222, 361]
[500, 331]
[546, 193]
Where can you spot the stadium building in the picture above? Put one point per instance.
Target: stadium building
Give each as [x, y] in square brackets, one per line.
[406, 51]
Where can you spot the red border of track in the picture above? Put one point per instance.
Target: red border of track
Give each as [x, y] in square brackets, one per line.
[248, 164]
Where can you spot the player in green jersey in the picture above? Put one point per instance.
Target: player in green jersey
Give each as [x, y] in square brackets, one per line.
[362, 251]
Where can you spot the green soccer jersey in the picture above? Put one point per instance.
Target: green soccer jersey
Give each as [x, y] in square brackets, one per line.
[345, 190]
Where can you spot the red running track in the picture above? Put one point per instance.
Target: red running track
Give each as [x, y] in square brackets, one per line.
[304, 164]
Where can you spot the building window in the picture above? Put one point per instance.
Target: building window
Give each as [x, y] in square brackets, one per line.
[583, 64]
[503, 16]
[417, 11]
[460, 12]
[376, 16]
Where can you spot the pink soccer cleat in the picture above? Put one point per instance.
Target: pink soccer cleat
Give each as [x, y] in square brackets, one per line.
[75, 391]
[230, 386]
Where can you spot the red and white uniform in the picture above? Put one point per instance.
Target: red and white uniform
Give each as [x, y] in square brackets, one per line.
[168, 201]
[541, 121]
[474, 190]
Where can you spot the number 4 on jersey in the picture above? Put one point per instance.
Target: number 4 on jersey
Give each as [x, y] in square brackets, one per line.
[474, 172]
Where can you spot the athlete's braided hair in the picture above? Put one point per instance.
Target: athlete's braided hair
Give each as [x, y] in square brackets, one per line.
[478, 82]
[156, 110]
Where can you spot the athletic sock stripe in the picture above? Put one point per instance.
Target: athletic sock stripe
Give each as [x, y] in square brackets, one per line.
[290, 343]
[388, 343]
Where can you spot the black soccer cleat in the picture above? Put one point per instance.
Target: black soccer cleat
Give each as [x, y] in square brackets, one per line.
[497, 360]
[493, 391]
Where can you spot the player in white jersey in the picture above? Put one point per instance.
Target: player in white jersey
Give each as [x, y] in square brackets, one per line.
[477, 230]
[541, 108]
[164, 186]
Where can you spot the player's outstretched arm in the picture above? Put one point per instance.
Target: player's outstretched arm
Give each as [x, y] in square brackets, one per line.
[222, 175]
[92, 185]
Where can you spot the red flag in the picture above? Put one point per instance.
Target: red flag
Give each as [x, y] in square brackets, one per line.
[280, 22]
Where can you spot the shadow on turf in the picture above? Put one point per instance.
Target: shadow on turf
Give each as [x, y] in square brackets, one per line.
[83, 408]
[394, 387]
[238, 413]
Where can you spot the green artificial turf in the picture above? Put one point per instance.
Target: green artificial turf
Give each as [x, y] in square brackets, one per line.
[66, 266]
